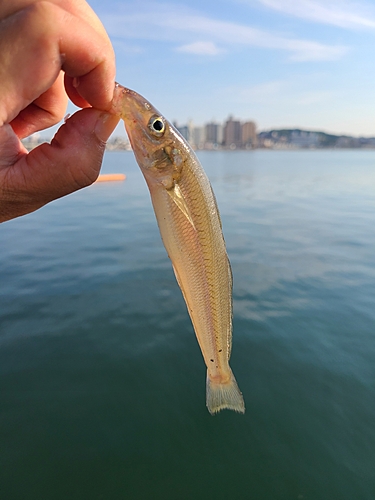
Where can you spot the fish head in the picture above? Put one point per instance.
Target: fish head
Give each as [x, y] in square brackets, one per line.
[158, 147]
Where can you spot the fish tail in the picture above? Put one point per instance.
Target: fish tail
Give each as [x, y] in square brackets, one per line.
[224, 395]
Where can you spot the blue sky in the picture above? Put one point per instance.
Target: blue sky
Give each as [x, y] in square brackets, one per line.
[282, 63]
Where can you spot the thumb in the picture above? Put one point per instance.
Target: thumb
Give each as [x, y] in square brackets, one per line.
[71, 162]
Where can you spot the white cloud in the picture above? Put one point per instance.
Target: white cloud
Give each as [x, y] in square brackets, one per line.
[301, 50]
[261, 92]
[313, 97]
[178, 24]
[200, 48]
[342, 13]
[126, 48]
[293, 93]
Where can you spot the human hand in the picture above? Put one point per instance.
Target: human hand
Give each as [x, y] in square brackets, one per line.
[49, 51]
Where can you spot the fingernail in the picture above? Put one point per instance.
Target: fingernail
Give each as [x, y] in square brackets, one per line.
[105, 125]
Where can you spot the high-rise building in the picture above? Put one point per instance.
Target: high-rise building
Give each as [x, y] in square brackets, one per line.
[213, 135]
[249, 135]
[197, 140]
[232, 133]
[184, 131]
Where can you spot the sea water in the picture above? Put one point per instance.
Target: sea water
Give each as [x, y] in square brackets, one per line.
[102, 383]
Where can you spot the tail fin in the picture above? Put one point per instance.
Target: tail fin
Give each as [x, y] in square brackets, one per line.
[220, 396]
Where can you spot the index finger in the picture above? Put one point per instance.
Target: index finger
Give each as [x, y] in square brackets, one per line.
[33, 49]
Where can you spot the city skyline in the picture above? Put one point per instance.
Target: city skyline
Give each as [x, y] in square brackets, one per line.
[231, 134]
[234, 134]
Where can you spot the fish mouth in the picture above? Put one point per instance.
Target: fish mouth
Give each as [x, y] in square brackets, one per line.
[121, 104]
[134, 110]
[129, 104]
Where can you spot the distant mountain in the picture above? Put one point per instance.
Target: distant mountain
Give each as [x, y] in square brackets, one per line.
[298, 138]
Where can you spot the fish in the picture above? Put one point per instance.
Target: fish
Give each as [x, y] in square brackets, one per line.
[191, 230]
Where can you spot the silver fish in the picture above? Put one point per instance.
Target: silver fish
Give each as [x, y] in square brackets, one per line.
[190, 227]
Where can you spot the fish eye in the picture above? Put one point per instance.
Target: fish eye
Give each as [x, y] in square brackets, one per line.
[157, 125]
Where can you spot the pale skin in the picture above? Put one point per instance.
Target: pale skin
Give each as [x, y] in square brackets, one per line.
[51, 51]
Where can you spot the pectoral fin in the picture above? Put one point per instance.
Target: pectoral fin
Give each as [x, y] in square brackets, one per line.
[177, 197]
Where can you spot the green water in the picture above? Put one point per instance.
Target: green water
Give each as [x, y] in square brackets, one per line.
[102, 384]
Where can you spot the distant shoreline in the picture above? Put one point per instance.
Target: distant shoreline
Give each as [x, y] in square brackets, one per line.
[277, 139]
